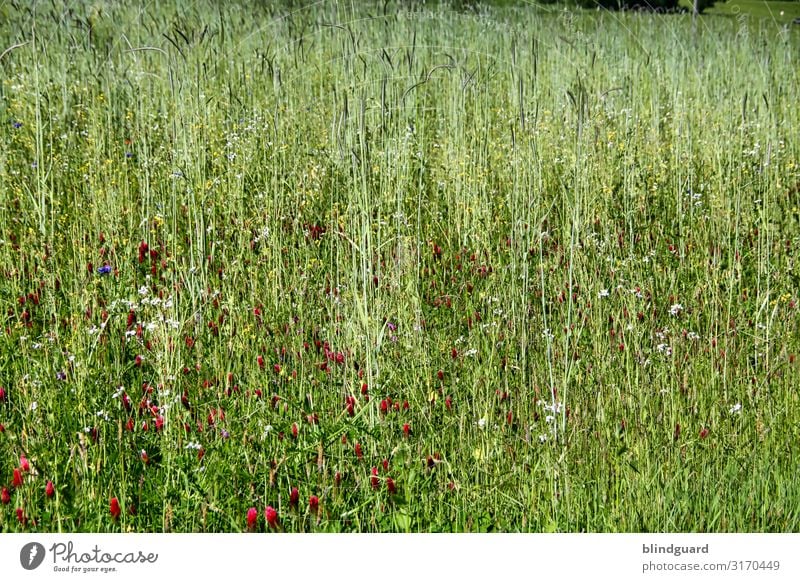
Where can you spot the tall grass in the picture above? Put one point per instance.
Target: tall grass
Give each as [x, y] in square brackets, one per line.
[560, 244]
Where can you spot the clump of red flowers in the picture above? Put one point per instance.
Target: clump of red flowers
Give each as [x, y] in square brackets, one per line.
[16, 481]
[114, 508]
[271, 516]
[350, 405]
[252, 518]
[432, 460]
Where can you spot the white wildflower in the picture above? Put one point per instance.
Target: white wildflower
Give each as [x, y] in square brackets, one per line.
[264, 234]
[554, 408]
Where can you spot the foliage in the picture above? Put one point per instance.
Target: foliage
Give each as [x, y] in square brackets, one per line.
[506, 270]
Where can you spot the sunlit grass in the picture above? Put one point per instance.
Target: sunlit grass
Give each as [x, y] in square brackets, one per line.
[537, 268]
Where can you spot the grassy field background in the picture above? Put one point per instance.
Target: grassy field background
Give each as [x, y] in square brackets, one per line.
[779, 12]
[528, 270]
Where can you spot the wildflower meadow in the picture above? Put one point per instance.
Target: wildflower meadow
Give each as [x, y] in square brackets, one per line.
[397, 267]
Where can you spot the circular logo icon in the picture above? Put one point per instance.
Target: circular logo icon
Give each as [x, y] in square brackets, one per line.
[31, 555]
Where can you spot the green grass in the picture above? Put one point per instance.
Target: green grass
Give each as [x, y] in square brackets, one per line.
[778, 12]
[559, 246]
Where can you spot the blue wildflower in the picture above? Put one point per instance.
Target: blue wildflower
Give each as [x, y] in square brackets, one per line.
[104, 270]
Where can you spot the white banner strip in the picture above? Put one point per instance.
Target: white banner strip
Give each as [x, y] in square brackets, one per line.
[400, 557]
